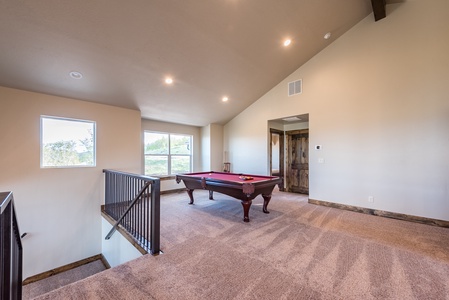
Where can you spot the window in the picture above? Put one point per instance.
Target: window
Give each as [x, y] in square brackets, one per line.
[67, 143]
[167, 153]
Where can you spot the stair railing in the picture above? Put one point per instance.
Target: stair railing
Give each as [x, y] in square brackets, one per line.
[133, 201]
[10, 250]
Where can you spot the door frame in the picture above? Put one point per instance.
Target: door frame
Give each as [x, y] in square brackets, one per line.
[281, 155]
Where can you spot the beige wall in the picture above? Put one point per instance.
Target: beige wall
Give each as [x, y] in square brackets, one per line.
[216, 151]
[212, 147]
[206, 147]
[378, 104]
[60, 208]
[117, 250]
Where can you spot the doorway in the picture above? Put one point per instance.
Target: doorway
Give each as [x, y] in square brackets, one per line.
[277, 155]
[289, 152]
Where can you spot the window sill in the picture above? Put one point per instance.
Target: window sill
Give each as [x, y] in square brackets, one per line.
[166, 177]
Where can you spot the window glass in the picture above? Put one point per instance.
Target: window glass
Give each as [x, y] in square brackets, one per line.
[179, 144]
[180, 164]
[156, 143]
[156, 165]
[67, 143]
[167, 153]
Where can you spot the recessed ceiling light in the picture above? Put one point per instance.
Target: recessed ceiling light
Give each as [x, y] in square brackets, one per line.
[287, 42]
[327, 36]
[168, 80]
[291, 119]
[76, 75]
[224, 99]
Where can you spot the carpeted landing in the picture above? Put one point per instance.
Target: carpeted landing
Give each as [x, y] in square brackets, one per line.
[298, 251]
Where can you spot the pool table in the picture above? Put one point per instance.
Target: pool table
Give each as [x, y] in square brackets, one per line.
[240, 186]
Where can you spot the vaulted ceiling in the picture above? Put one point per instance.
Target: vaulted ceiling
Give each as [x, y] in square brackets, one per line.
[126, 49]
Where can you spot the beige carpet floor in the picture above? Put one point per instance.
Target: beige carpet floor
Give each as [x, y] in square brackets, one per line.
[298, 251]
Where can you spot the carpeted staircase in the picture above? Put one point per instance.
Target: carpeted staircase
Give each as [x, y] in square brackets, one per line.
[38, 288]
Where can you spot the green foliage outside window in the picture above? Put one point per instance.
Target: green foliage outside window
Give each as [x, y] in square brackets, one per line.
[156, 165]
[67, 143]
[179, 144]
[156, 144]
[180, 164]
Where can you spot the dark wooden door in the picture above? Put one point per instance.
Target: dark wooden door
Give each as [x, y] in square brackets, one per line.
[298, 161]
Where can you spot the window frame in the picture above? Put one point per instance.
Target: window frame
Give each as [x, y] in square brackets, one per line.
[41, 142]
[169, 155]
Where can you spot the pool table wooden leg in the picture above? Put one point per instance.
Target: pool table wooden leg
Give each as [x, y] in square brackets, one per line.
[190, 193]
[211, 195]
[266, 200]
[246, 205]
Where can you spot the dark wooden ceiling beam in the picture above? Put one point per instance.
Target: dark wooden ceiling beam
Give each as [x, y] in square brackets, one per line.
[379, 9]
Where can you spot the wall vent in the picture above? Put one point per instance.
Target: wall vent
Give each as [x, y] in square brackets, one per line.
[295, 87]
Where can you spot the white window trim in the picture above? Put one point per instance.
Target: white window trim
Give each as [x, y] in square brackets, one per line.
[42, 117]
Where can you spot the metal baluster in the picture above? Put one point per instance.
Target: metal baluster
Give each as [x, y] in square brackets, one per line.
[123, 192]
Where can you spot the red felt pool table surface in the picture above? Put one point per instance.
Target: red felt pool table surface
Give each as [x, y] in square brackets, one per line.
[234, 177]
[244, 187]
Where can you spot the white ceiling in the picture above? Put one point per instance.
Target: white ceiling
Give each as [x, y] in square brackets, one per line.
[124, 49]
